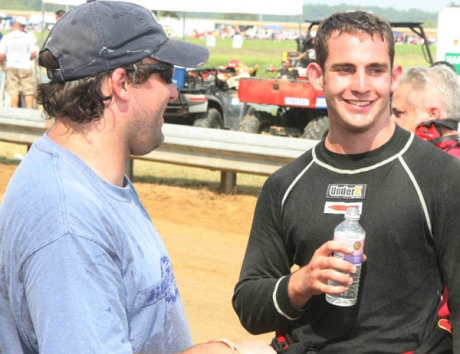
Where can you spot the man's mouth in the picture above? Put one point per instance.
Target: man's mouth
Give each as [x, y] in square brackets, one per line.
[359, 103]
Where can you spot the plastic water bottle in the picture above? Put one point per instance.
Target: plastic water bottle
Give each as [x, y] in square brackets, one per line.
[350, 232]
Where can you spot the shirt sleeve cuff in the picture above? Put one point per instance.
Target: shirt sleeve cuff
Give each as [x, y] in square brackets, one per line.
[282, 302]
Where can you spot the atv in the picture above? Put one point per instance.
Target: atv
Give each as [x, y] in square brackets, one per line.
[209, 97]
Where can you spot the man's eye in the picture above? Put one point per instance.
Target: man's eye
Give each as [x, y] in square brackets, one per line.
[376, 71]
[346, 70]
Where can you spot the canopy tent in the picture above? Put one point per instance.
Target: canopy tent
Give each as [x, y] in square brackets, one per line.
[261, 7]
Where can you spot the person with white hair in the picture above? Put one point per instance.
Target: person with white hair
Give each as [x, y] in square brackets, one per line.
[426, 103]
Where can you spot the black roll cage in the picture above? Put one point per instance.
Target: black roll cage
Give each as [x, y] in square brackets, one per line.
[415, 27]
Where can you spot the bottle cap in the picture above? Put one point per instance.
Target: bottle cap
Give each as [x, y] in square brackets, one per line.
[352, 213]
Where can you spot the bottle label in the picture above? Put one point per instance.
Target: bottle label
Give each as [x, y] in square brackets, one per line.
[354, 240]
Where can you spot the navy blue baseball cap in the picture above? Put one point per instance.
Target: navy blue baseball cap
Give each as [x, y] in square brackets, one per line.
[102, 35]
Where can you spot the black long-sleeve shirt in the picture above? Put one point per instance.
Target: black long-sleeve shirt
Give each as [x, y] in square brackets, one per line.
[408, 192]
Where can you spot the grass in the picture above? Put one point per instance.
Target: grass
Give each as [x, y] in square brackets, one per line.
[262, 52]
[409, 55]
[10, 152]
[266, 53]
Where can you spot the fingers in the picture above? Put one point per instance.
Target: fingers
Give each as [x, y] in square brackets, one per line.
[332, 268]
[312, 279]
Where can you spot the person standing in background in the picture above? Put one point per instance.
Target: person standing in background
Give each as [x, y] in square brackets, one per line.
[18, 49]
[58, 14]
[426, 102]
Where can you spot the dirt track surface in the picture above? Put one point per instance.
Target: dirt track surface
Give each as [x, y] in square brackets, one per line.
[206, 235]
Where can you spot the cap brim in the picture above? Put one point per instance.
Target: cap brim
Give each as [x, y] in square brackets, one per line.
[181, 53]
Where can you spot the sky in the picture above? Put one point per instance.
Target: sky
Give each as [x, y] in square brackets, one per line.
[424, 5]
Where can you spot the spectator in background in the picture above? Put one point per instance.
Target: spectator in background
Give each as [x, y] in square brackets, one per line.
[427, 103]
[18, 49]
[59, 14]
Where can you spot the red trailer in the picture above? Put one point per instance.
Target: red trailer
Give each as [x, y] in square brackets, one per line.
[293, 108]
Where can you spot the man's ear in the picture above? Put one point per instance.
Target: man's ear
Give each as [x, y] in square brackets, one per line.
[433, 113]
[315, 76]
[396, 73]
[120, 84]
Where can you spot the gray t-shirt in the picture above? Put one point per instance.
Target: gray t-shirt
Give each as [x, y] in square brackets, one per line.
[82, 269]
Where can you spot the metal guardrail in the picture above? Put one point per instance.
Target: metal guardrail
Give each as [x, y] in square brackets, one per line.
[227, 151]
[20, 125]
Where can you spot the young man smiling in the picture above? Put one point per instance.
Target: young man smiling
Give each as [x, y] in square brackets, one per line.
[408, 206]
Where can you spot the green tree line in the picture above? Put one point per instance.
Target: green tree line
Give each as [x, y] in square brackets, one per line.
[318, 12]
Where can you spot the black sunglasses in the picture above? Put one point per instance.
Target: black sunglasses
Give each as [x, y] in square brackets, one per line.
[166, 71]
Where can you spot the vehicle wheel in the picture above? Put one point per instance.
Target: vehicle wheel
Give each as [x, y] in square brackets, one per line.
[212, 120]
[316, 129]
[250, 111]
[256, 122]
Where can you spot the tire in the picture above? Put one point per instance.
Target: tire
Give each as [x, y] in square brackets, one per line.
[256, 122]
[212, 120]
[316, 129]
[250, 111]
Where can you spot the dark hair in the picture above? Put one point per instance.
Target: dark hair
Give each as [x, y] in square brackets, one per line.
[355, 23]
[59, 13]
[446, 63]
[80, 100]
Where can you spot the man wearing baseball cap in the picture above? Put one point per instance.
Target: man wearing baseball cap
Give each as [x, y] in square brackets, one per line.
[17, 51]
[82, 268]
